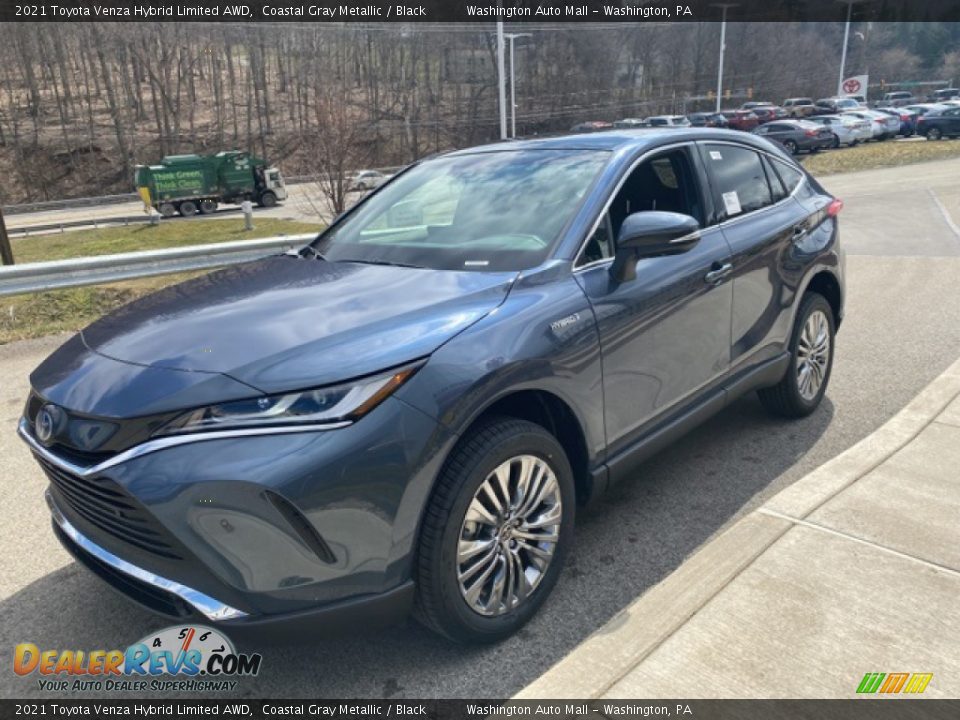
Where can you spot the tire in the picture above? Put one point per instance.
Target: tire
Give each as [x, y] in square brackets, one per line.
[267, 199]
[188, 208]
[442, 603]
[835, 143]
[167, 209]
[790, 398]
[790, 146]
[208, 207]
[934, 134]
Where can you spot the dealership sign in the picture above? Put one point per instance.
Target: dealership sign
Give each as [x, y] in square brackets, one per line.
[856, 85]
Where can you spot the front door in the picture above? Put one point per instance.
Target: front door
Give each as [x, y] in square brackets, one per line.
[665, 334]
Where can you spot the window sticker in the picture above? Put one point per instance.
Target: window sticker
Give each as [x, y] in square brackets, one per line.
[731, 202]
[715, 155]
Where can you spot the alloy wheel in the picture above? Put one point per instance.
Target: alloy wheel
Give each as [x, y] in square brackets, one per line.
[813, 355]
[509, 535]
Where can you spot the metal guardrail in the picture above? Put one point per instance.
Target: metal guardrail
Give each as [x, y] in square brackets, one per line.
[40, 206]
[77, 272]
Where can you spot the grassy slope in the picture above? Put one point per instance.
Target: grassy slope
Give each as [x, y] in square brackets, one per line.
[28, 316]
[879, 155]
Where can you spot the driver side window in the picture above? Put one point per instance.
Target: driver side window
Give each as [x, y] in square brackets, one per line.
[663, 182]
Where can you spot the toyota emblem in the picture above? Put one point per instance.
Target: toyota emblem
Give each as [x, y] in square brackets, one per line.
[47, 422]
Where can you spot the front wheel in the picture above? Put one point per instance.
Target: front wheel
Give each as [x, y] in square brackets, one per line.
[268, 199]
[790, 146]
[811, 359]
[495, 532]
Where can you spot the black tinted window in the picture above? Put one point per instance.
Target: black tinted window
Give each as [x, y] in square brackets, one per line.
[790, 175]
[777, 190]
[739, 179]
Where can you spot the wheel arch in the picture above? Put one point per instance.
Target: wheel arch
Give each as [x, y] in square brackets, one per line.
[826, 284]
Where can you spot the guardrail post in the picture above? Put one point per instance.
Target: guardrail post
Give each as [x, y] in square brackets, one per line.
[6, 252]
[247, 208]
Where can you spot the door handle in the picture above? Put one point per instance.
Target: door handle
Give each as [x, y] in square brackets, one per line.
[799, 231]
[718, 273]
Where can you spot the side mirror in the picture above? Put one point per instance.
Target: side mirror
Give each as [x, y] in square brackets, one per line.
[653, 233]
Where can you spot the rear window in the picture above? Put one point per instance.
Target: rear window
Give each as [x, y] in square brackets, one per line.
[791, 176]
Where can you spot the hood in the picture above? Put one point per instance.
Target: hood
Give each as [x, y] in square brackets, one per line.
[286, 323]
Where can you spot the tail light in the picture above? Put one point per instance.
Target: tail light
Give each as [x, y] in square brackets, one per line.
[834, 208]
[811, 133]
[904, 118]
[878, 120]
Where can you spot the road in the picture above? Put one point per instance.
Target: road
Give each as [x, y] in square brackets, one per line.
[305, 203]
[902, 329]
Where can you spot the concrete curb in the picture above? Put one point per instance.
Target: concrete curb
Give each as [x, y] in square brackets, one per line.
[610, 653]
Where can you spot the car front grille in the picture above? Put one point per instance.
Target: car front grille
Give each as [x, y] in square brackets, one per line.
[106, 506]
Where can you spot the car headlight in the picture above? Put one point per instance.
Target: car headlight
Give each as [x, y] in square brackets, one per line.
[335, 403]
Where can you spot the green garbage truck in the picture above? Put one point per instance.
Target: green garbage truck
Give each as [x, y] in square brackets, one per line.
[188, 184]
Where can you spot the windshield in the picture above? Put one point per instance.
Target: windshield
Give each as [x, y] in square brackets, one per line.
[485, 211]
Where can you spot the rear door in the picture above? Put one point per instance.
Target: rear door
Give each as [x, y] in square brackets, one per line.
[760, 221]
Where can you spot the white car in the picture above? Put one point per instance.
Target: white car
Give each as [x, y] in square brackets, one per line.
[883, 126]
[668, 121]
[846, 130]
[368, 180]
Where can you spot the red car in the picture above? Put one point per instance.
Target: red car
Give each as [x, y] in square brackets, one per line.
[741, 119]
[767, 113]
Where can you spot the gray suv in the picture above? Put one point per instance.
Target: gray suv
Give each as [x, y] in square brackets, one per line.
[406, 414]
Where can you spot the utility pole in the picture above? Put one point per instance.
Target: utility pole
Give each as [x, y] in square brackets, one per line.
[513, 95]
[501, 82]
[6, 252]
[723, 46]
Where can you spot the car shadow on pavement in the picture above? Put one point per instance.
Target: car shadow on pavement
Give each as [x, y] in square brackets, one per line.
[632, 538]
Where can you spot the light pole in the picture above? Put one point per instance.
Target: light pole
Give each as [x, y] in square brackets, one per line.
[513, 95]
[723, 46]
[501, 82]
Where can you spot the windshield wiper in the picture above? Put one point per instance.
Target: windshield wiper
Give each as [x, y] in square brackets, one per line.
[379, 261]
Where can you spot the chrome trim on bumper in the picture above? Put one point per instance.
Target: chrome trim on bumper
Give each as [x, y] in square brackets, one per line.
[212, 608]
[150, 446]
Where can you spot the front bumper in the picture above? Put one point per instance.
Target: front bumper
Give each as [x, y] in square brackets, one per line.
[173, 599]
[258, 532]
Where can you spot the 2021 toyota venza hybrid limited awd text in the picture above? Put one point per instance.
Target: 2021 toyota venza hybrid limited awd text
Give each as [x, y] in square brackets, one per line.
[405, 414]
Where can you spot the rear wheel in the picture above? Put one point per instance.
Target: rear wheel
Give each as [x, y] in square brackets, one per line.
[207, 207]
[188, 208]
[934, 134]
[495, 532]
[167, 209]
[811, 359]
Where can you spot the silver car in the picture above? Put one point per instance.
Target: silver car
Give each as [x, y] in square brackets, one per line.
[846, 130]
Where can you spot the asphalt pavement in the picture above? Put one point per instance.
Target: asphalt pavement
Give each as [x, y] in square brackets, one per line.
[902, 329]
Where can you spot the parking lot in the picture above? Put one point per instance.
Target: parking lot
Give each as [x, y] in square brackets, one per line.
[902, 328]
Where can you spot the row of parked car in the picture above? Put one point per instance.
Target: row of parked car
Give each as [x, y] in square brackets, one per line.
[805, 125]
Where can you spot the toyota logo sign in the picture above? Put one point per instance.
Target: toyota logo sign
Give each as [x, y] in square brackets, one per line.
[851, 86]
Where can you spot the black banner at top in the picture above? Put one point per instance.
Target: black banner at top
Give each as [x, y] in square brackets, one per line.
[480, 11]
